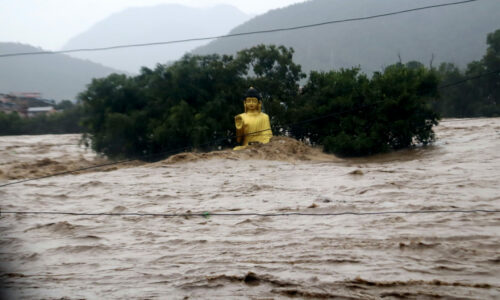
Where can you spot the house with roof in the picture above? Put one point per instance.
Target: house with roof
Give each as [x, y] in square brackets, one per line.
[42, 110]
[26, 104]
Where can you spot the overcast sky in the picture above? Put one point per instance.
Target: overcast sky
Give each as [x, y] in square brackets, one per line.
[51, 23]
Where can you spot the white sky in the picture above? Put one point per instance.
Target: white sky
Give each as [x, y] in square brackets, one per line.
[51, 23]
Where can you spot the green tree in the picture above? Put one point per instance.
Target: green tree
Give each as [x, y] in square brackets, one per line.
[491, 61]
[186, 104]
[477, 97]
[452, 102]
[64, 105]
[192, 103]
[368, 116]
[67, 121]
[10, 124]
[273, 71]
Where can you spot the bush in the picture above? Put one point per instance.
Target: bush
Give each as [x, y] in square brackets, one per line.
[367, 116]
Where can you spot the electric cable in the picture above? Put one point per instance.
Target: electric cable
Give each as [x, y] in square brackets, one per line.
[207, 214]
[236, 34]
[469, 78]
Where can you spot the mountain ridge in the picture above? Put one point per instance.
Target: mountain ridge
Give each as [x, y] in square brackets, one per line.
[56, 76]
[448, 34]
[150, 24]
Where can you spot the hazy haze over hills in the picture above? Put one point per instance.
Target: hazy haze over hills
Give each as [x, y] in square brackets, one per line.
[56, 76]
[153, 24]
[449, 34]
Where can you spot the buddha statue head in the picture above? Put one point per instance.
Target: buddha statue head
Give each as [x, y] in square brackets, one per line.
[253, 101]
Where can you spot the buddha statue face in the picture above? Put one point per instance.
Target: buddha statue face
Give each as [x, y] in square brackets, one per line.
[252, 104]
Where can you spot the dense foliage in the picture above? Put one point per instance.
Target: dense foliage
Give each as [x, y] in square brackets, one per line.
[475, 98]
[190, 103]
[65, 121]
[193, 102]
[366, 116]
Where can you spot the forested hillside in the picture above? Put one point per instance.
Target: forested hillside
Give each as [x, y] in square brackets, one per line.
[56, 76]
[452, 34]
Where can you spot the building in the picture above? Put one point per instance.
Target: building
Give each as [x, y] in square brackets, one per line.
[26, 104]
[42, 110]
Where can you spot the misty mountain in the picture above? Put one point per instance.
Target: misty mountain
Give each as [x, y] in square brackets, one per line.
[56, 76]
[153, 24]
[447, 34]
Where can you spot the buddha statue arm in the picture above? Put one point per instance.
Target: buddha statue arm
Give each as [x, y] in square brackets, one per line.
[268, 125]
[240, 131]
[268, 133]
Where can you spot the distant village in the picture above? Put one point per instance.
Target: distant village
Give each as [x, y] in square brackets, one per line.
[26, 104]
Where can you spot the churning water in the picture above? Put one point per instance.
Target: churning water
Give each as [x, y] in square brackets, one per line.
[448, 255]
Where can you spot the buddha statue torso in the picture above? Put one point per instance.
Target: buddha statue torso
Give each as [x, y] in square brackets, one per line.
[253, 125]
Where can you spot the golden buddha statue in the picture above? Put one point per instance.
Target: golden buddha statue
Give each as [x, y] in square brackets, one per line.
[252, 126]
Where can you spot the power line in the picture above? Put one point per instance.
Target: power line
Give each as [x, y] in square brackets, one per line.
[95, 167]
[237, 34]
[165, 153]
[469, 78]
[207, 214]
[182, 149]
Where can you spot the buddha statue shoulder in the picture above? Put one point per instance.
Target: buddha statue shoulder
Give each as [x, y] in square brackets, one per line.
[252, 126]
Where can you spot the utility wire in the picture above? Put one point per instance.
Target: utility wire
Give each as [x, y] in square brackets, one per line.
[209, 214]
[183, 149]
[97, 166]
[468, 79]
[237, 34]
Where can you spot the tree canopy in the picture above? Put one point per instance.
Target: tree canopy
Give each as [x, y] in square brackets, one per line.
[67, 121]
[192, 103]
[365, 115]
[474, 98]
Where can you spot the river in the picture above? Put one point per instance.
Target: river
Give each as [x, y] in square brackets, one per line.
[446, 255]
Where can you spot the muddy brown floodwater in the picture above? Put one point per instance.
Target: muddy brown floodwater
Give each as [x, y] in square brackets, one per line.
[424, 256]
